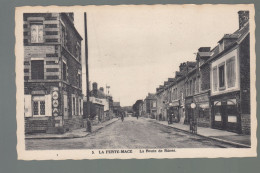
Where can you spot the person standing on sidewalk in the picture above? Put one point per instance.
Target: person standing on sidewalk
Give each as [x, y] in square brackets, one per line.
[122, 117]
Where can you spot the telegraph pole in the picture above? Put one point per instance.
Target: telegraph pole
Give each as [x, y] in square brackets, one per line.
[86, 61]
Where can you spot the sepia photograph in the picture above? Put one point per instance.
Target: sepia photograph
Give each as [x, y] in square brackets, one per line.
[135, 81]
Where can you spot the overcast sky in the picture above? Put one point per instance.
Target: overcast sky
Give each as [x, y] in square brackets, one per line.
[135, 49]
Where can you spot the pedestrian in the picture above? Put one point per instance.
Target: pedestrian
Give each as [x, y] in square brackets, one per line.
[137, 116]
[122, 117]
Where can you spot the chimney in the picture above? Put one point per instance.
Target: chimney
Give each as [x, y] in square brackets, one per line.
[101, 89]
[94, 86]
[182, 66]
[243, 17]
[204, 49]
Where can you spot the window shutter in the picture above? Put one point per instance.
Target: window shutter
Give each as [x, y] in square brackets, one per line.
[27, 105]
[81, 107]
[48, 105]
[72, 105]
[231, 73]
[40, 33]
[215, 79]
[34, 34]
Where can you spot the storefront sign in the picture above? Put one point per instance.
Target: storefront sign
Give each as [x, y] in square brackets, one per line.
[55, 95]
[204, 105]
[201, 98]
[96, 100]
[176, 103]
[55, 103]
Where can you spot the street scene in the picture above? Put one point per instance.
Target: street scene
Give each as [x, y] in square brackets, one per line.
[131, 133]
[134, 79]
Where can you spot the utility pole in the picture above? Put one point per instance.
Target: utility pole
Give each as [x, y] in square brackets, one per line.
[86, 61]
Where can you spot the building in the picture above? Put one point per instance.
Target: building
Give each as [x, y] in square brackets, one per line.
[52, 73]
[116, 109]
[99, 105]
[230, 80]
[202, 90]
[149, 106]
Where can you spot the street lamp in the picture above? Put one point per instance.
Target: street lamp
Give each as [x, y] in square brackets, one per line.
[193, 123]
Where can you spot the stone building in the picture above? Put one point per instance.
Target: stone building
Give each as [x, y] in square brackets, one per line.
[202, 91]
[52, 73]
[230, 80]
[98, 104]
[149, 106]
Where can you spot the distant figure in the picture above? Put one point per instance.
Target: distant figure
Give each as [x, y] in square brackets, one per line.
[160, 117]
[137, 116]
[122, 117]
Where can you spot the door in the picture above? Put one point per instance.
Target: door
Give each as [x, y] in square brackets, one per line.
[65, 103]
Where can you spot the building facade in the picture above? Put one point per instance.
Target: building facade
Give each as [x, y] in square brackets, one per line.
[202, 89]
[52, 73]
[149, 106]
[230, 84]
[213, 91]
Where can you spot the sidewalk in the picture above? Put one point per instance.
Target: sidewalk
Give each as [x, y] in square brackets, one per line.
[77, 133]
[215, 134]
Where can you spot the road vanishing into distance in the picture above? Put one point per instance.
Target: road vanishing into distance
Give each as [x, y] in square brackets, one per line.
[132, 133]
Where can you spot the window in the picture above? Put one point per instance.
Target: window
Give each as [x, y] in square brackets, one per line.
[190, 87]
[64, 71]
[221, 73]
[63, 36]
[38, 105]
[73, 106]
[37, 69]
[78, 51]
[37, 32]
[231, 72]
[215, 79]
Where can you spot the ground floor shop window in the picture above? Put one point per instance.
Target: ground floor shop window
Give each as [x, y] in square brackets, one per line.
[231, 113]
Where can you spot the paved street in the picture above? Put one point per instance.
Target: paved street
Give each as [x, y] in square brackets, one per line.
[132, 133]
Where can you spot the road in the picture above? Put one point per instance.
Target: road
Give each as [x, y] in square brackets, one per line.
[131, 133]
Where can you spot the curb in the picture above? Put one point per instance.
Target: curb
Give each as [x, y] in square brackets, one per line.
[239, 145]
[70, 137]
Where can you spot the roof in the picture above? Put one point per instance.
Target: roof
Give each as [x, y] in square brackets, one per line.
[97, 94]
[72, 25]
[242, 33]
[150, 96]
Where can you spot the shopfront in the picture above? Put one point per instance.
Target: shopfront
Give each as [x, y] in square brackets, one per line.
[97, 109]
[188, 109]
[225, 112]
[173, 110]
[202, 111]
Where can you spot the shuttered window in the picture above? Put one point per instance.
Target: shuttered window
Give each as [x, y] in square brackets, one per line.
[38, 105]
[221, 71]
[231, 72]
[36, 33]
[215, 78]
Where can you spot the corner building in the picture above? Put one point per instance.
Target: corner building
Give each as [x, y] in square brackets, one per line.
[52, 73]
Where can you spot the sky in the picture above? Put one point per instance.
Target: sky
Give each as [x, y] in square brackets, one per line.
[134, 49]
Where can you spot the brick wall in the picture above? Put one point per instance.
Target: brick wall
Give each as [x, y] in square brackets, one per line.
[245, 75]
[245, 122]
[205, 77]
[37, 124]
[73, 123]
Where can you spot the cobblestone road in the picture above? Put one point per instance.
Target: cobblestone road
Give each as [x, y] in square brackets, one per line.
[132, 133]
